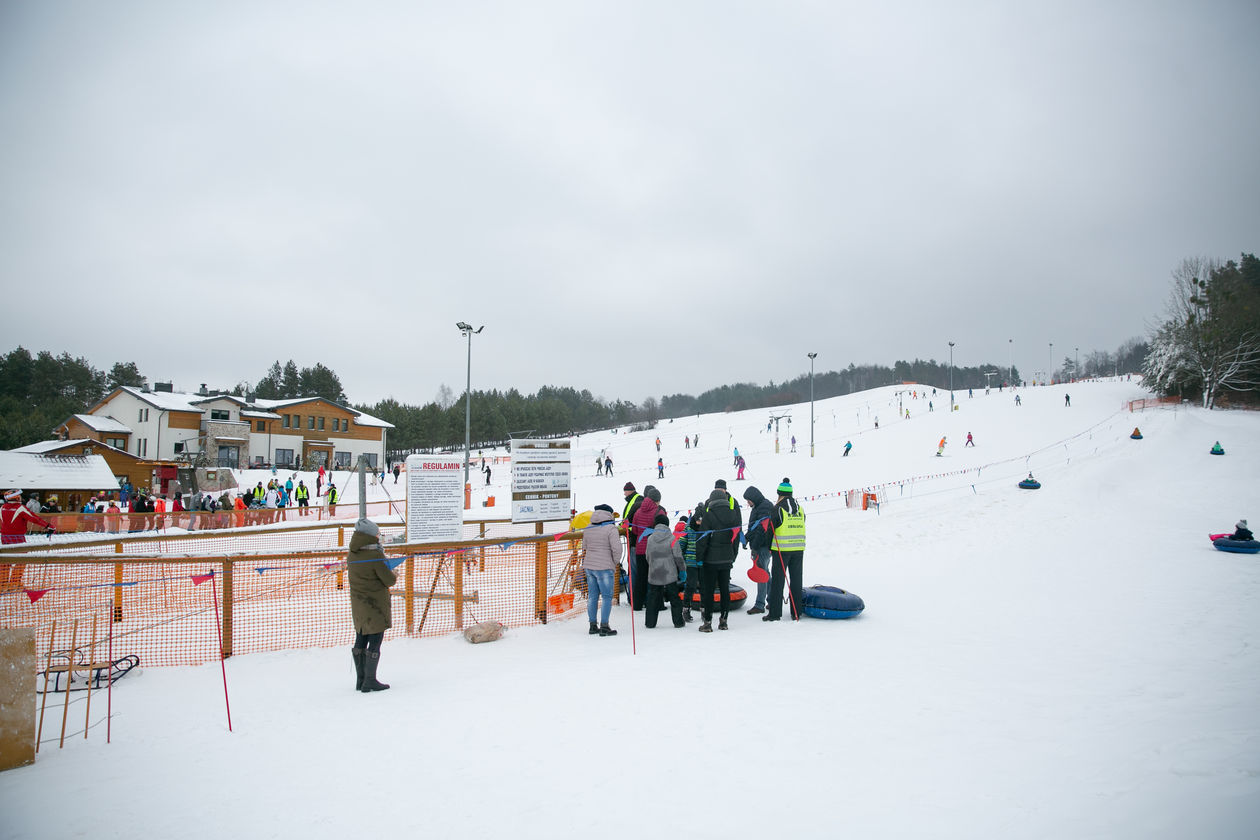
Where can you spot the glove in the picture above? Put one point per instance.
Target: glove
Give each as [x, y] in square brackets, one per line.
[743, 539]
[682, 576]
[50, 530]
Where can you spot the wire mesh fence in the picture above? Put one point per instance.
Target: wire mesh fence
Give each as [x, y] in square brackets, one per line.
[180, 600]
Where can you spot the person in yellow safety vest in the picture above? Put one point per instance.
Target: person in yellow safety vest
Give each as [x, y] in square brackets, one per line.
[332, 497]
[259, 493]
[303, 495]
[788, 541]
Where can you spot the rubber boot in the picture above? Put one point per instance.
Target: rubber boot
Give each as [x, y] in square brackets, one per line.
[594, 631]
[605, 630]
[357, 653]
[371, 659]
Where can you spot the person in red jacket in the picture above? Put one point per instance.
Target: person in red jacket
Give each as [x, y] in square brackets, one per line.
[14, 517]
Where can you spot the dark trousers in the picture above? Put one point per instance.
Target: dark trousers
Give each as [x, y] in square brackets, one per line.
[793, 560]
[692, 585]
[639, 584]
[712, 577]
[656, 595]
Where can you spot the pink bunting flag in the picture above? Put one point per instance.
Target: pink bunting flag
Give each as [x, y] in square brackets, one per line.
[200, 579]
[35, 594]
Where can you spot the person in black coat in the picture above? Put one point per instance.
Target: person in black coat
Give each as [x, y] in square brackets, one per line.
[786, 562]
[758, 537]
[716, 551]
[1241, 532]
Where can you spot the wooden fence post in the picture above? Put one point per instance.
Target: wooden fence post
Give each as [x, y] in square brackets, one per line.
[409, 591]
[540, 575]
[227, 608]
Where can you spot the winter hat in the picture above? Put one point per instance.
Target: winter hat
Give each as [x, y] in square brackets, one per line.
[652, 493]
[1242, 523]
[661, 519]
[785, 487]
[13, 495]
[367, 526]
[720, 484]
[629, 487]
[604, 507]
[752, 494]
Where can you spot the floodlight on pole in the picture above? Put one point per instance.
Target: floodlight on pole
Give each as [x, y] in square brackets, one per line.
[468, 332]
[812, 356]
[951, 378]
[1050, 371]
[1010, 362]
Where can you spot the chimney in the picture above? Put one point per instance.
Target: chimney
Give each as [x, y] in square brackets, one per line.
[164, 387]
[203, 392]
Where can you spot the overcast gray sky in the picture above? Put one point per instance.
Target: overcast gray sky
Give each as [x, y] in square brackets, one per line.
[639, 198]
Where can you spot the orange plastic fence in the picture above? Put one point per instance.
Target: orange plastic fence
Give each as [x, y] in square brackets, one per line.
[278, 590]
[195, 520]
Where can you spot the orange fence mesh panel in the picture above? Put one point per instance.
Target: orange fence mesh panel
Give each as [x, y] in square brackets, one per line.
[277, 590]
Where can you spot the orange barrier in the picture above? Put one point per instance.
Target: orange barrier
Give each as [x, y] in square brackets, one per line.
[271, 597]
[197, 520]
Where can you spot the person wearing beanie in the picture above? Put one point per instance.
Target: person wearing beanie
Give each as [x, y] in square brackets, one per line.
[715, 552]
[642, 520]
[758, 538]
[787, 540]
[720, 484]
[599, 561]
[370, 579]
[691, 533]
[1241, 532]
[14, 517]
[666, 571]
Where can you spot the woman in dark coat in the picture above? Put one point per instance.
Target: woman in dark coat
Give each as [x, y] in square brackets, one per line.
[370, 580]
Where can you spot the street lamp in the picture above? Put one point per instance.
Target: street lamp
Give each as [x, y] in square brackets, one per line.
[1010, 361]
[951, 378]
[1077, 364]
[469, 332]
[812, 356]
[1050, 372]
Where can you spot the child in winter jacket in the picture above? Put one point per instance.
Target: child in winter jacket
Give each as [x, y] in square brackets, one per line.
[666, 570]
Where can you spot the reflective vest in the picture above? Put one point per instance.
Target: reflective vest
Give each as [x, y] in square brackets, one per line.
[332, 495]
[302, 492]
[629, 504]
[790, 534]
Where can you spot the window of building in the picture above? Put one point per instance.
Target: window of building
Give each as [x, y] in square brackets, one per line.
[336, 424]
[143, 449]
[321, 424]
[371, 457]
[310, 421]
[284, 421]
[261, 426]
[220, 414]
[117, 443]
[179, 447]
[284, 457]
[342, 459]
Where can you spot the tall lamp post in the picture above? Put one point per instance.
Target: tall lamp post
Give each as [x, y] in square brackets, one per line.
[468, 332]
[1050, 370]
[1010, 361]
[951, 379]
[1077, 364]
[812, 356]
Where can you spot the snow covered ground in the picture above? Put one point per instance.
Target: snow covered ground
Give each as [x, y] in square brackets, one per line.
[1076, 661]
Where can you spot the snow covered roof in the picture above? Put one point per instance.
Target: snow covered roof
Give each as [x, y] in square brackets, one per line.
[44, 447]
[31, 471]
[165, 400]
[265, 415]
[102, 424]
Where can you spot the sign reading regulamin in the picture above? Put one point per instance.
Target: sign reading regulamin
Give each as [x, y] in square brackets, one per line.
[435, 499]
[540, 480]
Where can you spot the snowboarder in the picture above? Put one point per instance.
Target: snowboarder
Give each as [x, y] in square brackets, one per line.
[848, 444]
[1067, 401]
[660, 468]
[940, 449]
[740, 464]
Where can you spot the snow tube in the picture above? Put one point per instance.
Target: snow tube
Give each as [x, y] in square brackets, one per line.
[1215, 451]
[831, 602]
[1136, 435]
[738, 597]
[1030, 484]
[1237, 546]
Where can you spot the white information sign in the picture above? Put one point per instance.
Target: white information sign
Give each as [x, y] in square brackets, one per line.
[435, 499]
[540, 480]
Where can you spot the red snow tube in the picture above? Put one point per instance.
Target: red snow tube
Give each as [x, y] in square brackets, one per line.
[738, 597]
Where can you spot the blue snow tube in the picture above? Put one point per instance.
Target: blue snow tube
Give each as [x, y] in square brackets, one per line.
[831, 602]
[1030, 484]
[1237, 546]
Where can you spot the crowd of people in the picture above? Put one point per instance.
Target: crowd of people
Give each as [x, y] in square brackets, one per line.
[689, 564]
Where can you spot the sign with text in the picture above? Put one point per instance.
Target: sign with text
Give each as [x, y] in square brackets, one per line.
[540, 480]
[435, 499]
